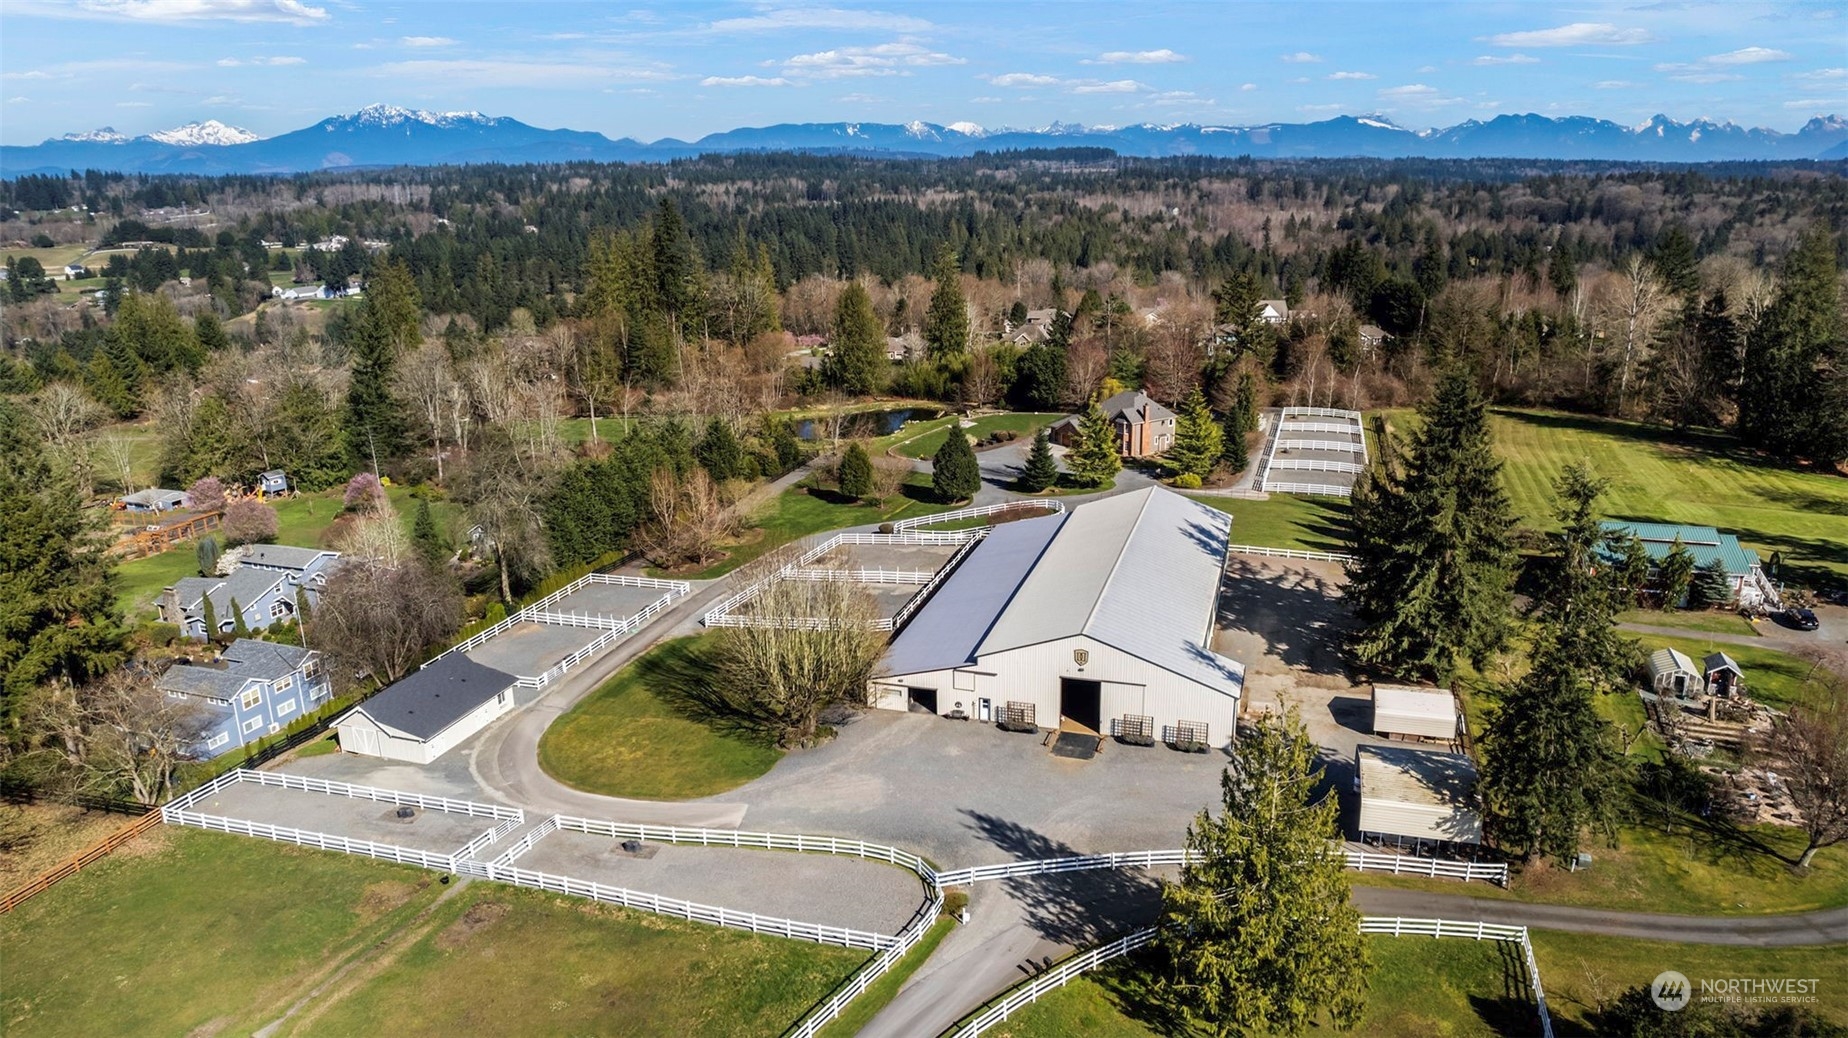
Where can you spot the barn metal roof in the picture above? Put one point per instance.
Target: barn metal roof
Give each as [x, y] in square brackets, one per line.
[1406, 701]
[434, 697]
[1423, 778]
[946, 632]
[1670, 661]
[1139, 572]
[1703, 542]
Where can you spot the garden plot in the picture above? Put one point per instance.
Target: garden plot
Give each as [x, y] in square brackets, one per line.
[527, 649]
[1314, 450]
[825, 889]
[347, 817]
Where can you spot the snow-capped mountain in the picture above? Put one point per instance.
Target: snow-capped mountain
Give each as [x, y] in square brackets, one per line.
[210, 132]
[388, 135]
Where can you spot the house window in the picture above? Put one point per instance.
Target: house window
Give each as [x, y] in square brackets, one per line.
[280, 608]
[251, 698]
[218, 740]
[283, 684]
[285, 708]
[319, 579]
[252, 725]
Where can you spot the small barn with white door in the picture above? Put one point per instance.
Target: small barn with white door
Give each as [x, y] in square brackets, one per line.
[426, 713]
[1100, 620]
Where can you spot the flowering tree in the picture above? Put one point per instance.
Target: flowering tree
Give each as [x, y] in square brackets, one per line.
[248, 520]
[364, 493]
[207, 494]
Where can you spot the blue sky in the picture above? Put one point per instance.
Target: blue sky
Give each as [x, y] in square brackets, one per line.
[686, 69]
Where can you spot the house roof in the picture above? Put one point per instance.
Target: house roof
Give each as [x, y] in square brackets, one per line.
[246, 659]
[1139, 572]
[1705, 543]
[1718, 661]
[1372, 331]
[283, 556]
[248, 585]
[1670, 661]
[1424, 778]
[274, 474]
[434, 697]
[1280, 305]
[154, 496]
[1135, 406]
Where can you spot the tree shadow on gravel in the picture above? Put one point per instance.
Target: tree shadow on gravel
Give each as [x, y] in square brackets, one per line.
[1075, 909]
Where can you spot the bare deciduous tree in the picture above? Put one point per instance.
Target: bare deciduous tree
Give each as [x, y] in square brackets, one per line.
[502, 491]
[889, 475]
[425, 378]
[1810, 748]
[378, 620]
[688, 517]
[118, 735]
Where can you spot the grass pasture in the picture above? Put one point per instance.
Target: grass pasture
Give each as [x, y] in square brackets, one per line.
[1022, 424]
[1285, 520]
[625, 740]
[144, 944]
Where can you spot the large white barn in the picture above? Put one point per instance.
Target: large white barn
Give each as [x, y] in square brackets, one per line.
[1099, 619]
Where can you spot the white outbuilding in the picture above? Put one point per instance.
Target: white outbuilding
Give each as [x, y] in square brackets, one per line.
[1098, 620]
[1419, 713]
[427, 713]
[1672, 673]
[1417, 795]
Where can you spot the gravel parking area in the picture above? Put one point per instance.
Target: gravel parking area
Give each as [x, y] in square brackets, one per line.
[527, 650]
[612, 600]
[1285, 621]
[436, 831]
[926, 557]
[812, 888]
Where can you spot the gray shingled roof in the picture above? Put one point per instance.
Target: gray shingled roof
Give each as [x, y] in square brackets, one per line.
[1136, 405]
[246, 585]
[243, 660]
[946, 632]
[1139, 572]
[282, 556]
[424, 703]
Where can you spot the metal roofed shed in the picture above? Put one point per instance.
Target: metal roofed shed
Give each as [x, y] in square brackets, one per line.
[426, 713]
[1424, 713]
[1417, 794]
[1672, 673]
[1723, 674]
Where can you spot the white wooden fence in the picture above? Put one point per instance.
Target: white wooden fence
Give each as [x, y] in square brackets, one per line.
[1316, 465]
[978, 511]
[346, 789]
[1320, 412]
[868, 973]
[1030, 991]
[866, 576]
[1341, 446]
[1323, 489]
[542, 611]
[1288, 553]
[680, 834]
[1319, 427]
[1360, 861]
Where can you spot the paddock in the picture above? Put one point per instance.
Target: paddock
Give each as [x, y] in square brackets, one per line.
[1313, 450]
[351, 818]
[614, 601]
[528, 649]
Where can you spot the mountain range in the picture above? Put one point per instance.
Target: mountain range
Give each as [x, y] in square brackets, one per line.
[386, 135]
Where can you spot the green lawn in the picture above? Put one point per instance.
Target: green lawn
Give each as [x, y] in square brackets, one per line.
[799, 511]
[1703, 478]
[1285, 520]
[623, 740]
[1579, 974]
[301, 521]
[187, 932]
[1420, 988]
[1703, 620]
[505, 961]
[1681, 871]
[1770, 676]
[1024, 424]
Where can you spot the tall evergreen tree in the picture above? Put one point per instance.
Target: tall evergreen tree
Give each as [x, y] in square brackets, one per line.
[1245, 402]
[209, 609]
[955, 474]
[1794, 400]
[425, 537]
[210, 332]
[856, 472]
[239, 629]
[719, 451]
[677, 284]
[856, 357]
[1094, 461]
[1433, 565]
[1580, 596]
[1259, 937]
[206, 555]
[1198, 440]
[1039, 378]
[1041, 470]
[1674, 575]
[946, 323]
[391, 295]
[1711, 587]
[375, 423]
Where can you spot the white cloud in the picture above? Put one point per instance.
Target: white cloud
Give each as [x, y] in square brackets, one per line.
[1320, 108]
[1163, 56]
[275, 61]
[787, 18]
[1427, 68]
[1024, 79]
[744, 81]
[986, 100]
[520, 72]
[1747, 56]
[860, 99]
[1118, 86]
[1352, 75]
[1823, 74]
[1409, 90]
[1417, 95]
[1577, 34]
[1706, 77]
[427, 41]
[1301, 57]
[885, 59]
[1817, 103]
[1613, 84]
[18, 100]
[134, 104]
[292, 12]
[1247, 87]
[1512, 59]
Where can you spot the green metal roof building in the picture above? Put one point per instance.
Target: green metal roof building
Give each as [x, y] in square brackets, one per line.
[1707, 545]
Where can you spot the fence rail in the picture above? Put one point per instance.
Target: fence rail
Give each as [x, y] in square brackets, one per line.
[542, 611]
[744, 838]
[1288, 553]
[1319, 427]
[866, 576]
[916, 602]
[1316, 465]
[1359, 861]
[1344, 446]
[306, 838]
[1027, 992]
[725, 614]
[1324, 489]
[1320, 412]
[978, 511]
[1407, 865]
[347, 789]
[863, 978]
[78, 862]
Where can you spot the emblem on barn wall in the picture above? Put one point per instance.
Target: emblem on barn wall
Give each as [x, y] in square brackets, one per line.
[1081, 656]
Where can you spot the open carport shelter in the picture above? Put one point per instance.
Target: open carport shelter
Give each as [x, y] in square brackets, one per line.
[1098, 620]
[426, 713]
[1417, 795]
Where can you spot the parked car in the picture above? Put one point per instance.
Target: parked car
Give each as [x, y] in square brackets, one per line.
[1801, 619]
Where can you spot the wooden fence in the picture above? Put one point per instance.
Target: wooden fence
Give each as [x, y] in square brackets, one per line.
[77, 862]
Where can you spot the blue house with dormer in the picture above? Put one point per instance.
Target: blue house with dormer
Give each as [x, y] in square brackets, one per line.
[254, 689]
[263, 584]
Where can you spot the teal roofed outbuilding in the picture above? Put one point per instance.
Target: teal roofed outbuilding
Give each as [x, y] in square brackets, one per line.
[1707, 545]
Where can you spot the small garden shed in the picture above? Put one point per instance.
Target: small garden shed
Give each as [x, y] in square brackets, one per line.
[1671, 673]
[1722, 674]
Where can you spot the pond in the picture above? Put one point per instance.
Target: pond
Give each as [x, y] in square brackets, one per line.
[864, 423]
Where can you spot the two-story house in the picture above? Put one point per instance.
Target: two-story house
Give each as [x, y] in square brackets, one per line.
[252, 690]
[1144, 428]
[263, 583]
